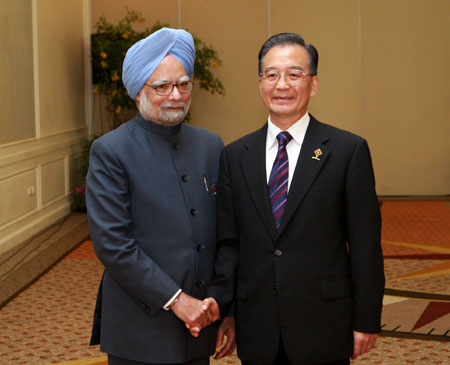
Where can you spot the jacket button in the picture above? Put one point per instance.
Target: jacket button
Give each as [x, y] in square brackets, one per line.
[274, 291]
[194, 212]
[201, 284]
[175, 146]
[278, 252]
[200, 247]
[185, 178]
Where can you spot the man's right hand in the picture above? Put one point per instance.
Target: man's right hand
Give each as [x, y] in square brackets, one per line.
[196, 314]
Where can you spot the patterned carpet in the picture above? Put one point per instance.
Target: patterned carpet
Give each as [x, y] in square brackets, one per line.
[416, 247]
[50, 321]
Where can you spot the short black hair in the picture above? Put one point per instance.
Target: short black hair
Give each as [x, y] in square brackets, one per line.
[290, 39]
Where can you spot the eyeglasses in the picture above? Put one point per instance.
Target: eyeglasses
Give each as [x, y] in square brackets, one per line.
[293, 76]
[166, 88]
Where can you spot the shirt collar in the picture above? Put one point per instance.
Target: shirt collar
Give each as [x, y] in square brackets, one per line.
[296, 130]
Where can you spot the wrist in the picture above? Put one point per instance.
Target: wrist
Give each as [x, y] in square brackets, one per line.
[172, 300]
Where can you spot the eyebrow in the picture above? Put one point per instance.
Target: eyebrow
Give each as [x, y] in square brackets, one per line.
[289, 68]
[162, 81]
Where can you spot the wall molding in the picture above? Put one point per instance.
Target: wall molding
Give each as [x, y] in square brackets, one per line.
[25, 141]
[17, 231]
[37, 109]
[66, 142]
[33, 154]
[89, 96]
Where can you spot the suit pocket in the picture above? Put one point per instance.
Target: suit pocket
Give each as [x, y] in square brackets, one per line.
[336, 288]
[242, 290]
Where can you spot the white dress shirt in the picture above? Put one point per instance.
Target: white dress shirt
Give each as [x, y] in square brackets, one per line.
[297, 131]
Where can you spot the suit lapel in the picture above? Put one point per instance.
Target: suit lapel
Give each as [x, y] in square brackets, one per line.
[254, 168]
[306, 170]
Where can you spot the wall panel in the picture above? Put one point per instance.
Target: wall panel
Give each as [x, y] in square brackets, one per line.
[17, 200]
[16, 71]
[53, 180]
[61, 65]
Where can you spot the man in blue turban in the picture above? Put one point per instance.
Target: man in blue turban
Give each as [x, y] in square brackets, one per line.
[151, 205]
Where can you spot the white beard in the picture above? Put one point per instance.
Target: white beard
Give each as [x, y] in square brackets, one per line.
[165, 117]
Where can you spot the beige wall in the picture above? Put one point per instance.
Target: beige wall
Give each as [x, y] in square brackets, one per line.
[236, 34]
[61, 67]
[43, 109]
[383, 73]
[152, 10]
[405, 94]
[332, 27]
[16, 75]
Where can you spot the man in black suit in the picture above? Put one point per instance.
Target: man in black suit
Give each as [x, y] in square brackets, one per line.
[298, 226]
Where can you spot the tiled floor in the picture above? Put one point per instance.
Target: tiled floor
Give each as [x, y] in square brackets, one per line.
[50, 321]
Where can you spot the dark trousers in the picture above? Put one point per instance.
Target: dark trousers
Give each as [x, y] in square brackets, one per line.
[114, 360]
[282, 359]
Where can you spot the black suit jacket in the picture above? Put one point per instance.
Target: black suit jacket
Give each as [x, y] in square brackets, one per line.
[320, 276]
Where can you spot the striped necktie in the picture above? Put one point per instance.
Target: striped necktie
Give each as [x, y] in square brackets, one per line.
[278, 181]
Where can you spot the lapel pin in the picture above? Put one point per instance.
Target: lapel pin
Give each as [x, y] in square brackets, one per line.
[317, 153]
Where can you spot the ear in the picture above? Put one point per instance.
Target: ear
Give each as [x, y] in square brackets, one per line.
[260, 82]
[138, 98]
[314, 85]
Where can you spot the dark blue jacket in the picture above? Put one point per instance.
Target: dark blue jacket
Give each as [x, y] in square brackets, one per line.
[151, 204]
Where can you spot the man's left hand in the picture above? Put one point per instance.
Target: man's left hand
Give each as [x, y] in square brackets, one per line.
[227, 328]
[363, 342]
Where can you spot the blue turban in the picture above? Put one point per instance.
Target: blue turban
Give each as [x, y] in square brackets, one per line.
[145, 55]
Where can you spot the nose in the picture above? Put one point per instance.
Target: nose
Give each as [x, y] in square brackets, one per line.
[282, 83]
[175, 94]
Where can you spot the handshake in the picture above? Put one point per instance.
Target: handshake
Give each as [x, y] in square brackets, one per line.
[196, 314]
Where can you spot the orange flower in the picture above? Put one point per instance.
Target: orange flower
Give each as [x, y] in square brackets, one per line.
[95, 90]
[215, 63]
[141, 20]
[125, 35]
[118, 109]
[103, 64]
[114, 93]
[115, 76]
[103, 55]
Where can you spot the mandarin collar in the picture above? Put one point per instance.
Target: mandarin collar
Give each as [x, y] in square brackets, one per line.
[156, 127]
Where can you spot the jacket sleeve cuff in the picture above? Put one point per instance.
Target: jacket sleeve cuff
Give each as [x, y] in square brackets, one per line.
[172, 300]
